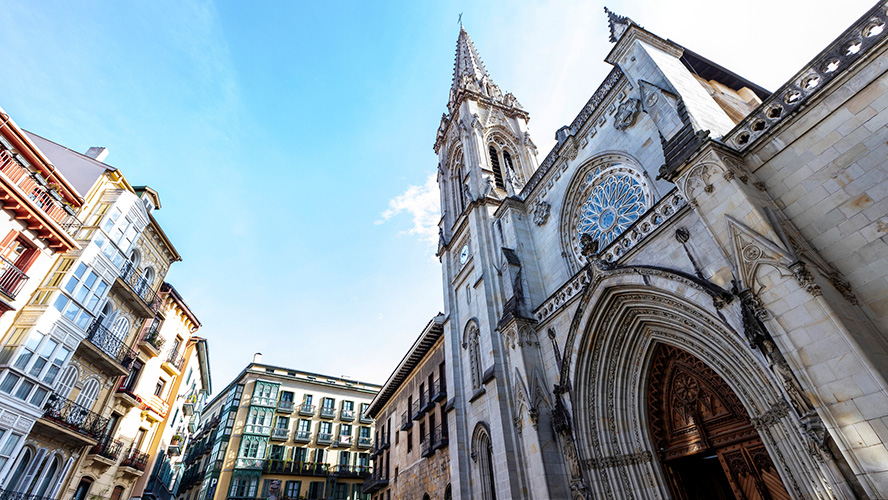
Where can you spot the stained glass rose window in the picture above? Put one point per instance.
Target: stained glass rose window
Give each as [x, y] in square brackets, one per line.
[611, 207]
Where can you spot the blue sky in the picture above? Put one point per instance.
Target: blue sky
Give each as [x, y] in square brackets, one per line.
[291, 142]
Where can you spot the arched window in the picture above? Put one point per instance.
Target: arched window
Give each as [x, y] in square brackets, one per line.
[107, 315]
[117, 494]
[497, 171]
[46, 478]
[120, 328]
[148, 274]
[19, 472]
[88, 394]
[482, 454]
[66, 381]
[82, 489]
[135, 259]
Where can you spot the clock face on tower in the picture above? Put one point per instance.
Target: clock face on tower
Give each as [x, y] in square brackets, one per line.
[464, 254]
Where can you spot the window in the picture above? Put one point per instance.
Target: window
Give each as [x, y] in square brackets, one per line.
[474, 356]
[495, 165]
[291, 489]
[158, 388]
[304, 425]
[409, 441]
[422, 431]
[88, 394]
[283, 422]
[287, 396]
[8, 447]
[316, 489]
[117, 493]
[482, 447]
[364, 432]
[9, 382]
[329, 403]
[364, 407]
[44, 348]
[87, 290]
[277, 452]
[326, 429]
[129, 383]
[308, 399]
[300, 454]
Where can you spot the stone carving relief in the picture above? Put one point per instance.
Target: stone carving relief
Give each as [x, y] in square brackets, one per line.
[626, 114]
[541, 213]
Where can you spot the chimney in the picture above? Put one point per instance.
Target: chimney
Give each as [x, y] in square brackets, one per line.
[98, 153]
[257, 358]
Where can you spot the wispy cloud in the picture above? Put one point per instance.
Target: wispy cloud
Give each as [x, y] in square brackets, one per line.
[422, 203]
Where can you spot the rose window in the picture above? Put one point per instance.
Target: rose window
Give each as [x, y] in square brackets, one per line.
[612, 206]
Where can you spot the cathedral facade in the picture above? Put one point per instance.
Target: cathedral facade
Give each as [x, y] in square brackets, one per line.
[687, 297]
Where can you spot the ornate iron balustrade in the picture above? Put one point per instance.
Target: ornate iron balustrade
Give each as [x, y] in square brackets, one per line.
[152, 336]
[364, 442]
[140, 286]
[35, 187]
[108, 448]
[285, 406]
[74, 416]
[358, 471]
[438, 391]
[135, 460]
[280, 433]
[11, 278]
[346, 415]
[377, 480]
[296, 468]
[306, 409]
[365, 419]
[406, 421]
[324, 438]
[328, 412]
[177, 360]
[20, 495]
[439, 436]
[302, 436]
[108, 343]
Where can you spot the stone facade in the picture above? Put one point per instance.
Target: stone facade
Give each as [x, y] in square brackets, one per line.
[688, 211]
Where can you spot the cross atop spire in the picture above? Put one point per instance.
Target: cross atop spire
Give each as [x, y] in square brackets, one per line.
[618, 24]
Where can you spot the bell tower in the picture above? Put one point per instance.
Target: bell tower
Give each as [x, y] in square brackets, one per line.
[485, 158]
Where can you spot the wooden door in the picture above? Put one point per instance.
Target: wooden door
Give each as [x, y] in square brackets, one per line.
[706, 443]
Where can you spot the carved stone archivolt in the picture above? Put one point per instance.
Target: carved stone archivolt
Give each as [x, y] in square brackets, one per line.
[621, 317]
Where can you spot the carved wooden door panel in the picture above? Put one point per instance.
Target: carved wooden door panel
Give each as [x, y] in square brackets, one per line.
[695, 419]
[751, 473]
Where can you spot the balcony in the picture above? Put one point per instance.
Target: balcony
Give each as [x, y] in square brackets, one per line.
[328, 412]
[106, 451]
[136, 291]
[127, 398]
[347, 415]
[438, 392]
[173, 363]
[302, 436]
[280, 434]
[263, 430]
[365, 442]
[174, 450]
[285, 406]
[20, 495]
[375, 482]
[134, 464]
[307, 410]
[352, 471]
[107, 350]
[37, 204]
[406, 421]
[343, 442]
[11, 278]
[439, 437]
[417, 410]
[152, 342]
[324, 438]
[188, 405]
[249, 463]
[296, 468]
[75, 422]
[427, 449]
[365, 419]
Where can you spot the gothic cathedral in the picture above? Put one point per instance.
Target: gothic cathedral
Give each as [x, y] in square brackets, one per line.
[688, 297]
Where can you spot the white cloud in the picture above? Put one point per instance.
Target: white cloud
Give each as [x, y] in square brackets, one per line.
[422, 203]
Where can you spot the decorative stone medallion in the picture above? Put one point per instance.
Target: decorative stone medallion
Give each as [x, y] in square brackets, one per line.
[626, 114]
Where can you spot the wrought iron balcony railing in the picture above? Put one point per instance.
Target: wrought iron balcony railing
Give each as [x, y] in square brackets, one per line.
[11, 278]
[376, 481]
[152, 337]
[135, 460]
[439, 436]
[328, 412]
[176, 359]
[365, 442]
[306, 409]
[140, 286]
[366, 419]
[74, 416]
[20, 495]
[324, 438]
[302, 436]
[110, 344]
[280, 433]
[417, 410]
[406, 421]
[346, 415]
[438, 391]
[296, 468]
[35, 187]
[107, 448]
[358, 471]
[285, 406]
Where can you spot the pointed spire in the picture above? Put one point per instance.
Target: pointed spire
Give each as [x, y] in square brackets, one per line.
[618, 24]
[468, 62]
[469, 74]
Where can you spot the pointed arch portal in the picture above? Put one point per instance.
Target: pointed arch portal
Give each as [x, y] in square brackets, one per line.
[705, 440]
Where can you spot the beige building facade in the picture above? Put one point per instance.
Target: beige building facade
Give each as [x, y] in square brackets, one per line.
[410, 457]
[281, 431]
[687, 297]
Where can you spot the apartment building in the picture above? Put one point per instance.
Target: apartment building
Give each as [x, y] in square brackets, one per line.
[283, 432]
[80, 332]
[38, 222]
[410, 455]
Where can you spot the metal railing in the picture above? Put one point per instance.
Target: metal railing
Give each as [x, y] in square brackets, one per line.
[108, 343]
[366, 419]
[439, 436]
[107, 448]
[378, 479]
[358, 471]
[176, 359]
[438, 391]
[72, 415]
[20, 495]
[140, 286]
[135, 460]
[365, 442]
[406, 421]
[285, 406]
[328, 412]
[347, 415]
[280, 433]
[417, 410]
[296, 468]
[302, 436]
[35, 187]
[324, 438]
[11, 278]
[306, 409]
[152, 337]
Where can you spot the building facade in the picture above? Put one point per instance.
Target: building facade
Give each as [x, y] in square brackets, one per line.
[38, 223]
[282, 432]
[410, 457]
[79, 342]
[687, 297]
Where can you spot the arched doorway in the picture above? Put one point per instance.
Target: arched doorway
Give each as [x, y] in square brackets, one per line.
[704, 438]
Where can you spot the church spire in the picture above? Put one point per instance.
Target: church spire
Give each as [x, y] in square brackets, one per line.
[470, 77]
[618, 24]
